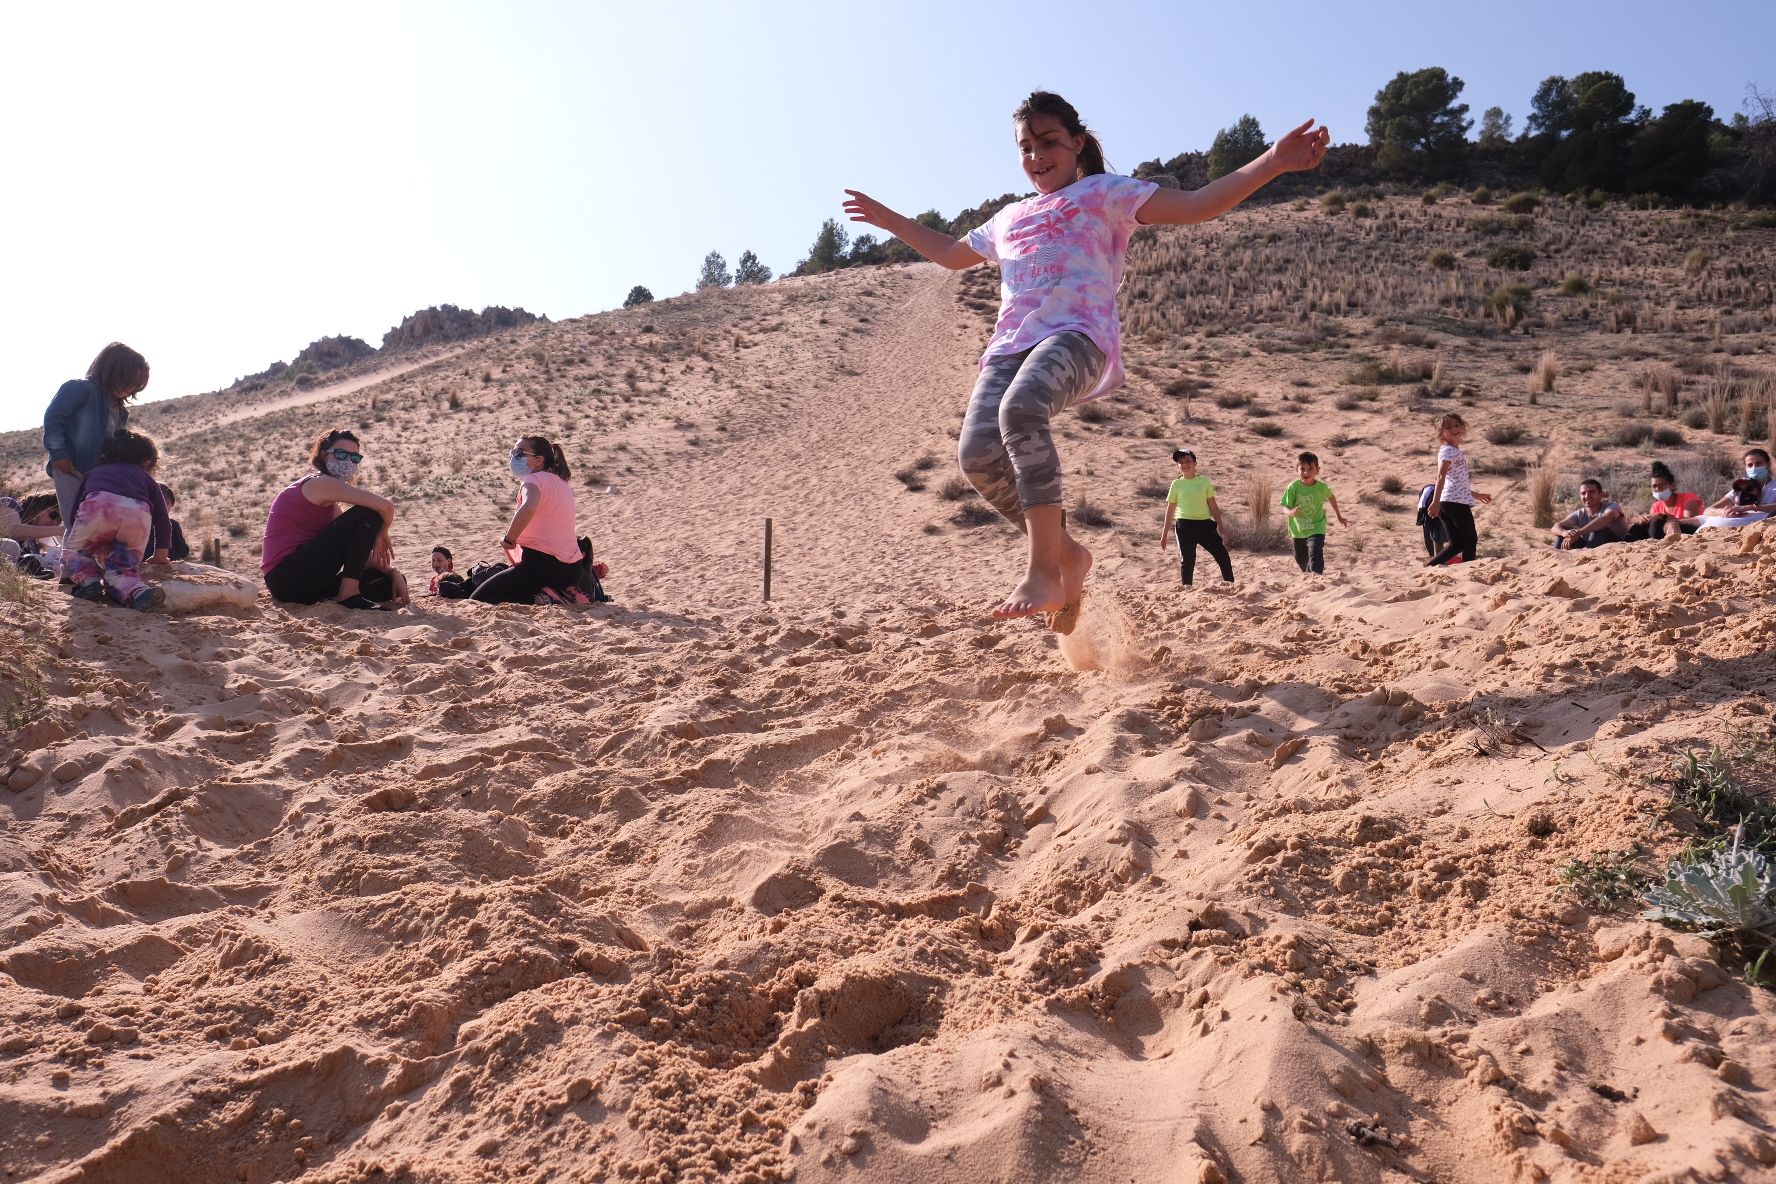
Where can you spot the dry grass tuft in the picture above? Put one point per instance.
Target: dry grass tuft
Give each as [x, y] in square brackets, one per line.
[1541, 496]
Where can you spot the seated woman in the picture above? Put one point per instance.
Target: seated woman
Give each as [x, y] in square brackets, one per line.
[1595, 523]
[312, 552]
[1669, 511]
[25, 526]
[541, 542]
[1752, 498]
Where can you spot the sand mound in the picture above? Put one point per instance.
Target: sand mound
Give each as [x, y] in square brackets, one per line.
[628, 894]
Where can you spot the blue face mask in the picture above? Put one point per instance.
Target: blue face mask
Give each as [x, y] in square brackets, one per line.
[520, 466]
[1758, 472]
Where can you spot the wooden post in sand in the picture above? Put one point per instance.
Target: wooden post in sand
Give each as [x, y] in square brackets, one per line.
[767, 560]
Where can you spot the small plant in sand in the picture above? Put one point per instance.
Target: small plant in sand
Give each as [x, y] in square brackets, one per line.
[1697, 261]
[1575, 285]
[21, 692]
[1512, 257]
[1547, 369]
[1089, 513]
[1728, 895]
[955, 489]
[1392, 484]
[1505, 433]
[1541, 496]
[911, 478]
[1521, 203]
[1606, 881]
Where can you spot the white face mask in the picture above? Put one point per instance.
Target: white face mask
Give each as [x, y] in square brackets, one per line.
[1663, 495]
[520, 466]
[345, 470]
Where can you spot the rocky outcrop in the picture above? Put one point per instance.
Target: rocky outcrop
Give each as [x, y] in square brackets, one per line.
[447, 322]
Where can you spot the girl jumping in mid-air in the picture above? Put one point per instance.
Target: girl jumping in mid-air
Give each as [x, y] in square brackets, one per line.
[1057, 343]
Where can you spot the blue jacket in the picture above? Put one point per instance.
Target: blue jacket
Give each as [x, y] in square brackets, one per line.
[77, 422]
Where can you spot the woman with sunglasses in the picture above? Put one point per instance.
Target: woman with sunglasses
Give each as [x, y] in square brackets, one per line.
[313, 552]
[541, 539]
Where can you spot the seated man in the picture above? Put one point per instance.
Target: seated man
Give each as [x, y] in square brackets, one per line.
[1595, 523]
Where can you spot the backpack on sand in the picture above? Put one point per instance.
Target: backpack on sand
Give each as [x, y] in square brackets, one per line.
[589, 572]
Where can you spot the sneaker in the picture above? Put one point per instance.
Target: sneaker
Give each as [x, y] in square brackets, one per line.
[35, 568]
[360, 602]
[91, 590]
[147, 597]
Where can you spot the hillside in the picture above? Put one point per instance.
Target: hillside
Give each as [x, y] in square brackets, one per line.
[1261, 884]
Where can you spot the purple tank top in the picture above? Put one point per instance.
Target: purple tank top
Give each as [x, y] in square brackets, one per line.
[293, 521]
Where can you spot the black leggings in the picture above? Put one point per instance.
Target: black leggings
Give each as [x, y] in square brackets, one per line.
[520, 584]
[341, 551]
[1194, 533]
[1310, 553]
[1463, 538]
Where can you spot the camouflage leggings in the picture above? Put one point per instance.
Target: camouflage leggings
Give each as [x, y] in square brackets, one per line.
[1006, 449]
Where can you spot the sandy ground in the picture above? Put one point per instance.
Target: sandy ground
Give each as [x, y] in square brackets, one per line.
[1245, 884]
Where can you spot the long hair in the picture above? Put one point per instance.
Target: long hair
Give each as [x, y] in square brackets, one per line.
[1042, 102]
[119, 371]
[554, 460]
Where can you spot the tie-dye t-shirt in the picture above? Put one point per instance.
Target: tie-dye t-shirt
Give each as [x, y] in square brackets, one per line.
[1060, 258]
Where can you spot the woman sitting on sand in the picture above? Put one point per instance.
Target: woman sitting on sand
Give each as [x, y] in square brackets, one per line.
[540, 541]
[312, 552]
[1669, 511]
[1752, 497]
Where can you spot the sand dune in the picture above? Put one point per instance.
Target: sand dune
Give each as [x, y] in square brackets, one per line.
[1251, 884]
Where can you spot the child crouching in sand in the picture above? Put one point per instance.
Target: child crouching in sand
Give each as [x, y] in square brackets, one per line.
[1057, 342]
[117, 510]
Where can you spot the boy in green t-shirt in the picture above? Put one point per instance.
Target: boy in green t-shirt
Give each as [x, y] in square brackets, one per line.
[1191, 512]
[1306, 501]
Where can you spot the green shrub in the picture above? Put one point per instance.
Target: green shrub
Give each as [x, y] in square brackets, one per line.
[1362, 210]
[1512, 257]
[1481, 196]
[1334, 202]
[1442, 260]
[1510, 302]
[1697, 261]
[1522, 203]
[1575, 285]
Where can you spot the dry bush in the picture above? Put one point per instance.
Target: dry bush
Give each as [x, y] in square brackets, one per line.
[1659, 378]
[1547, 369]
[956, 489]
[1391, 484]
[1505, 433]
[1089, 513]
[1541, 496]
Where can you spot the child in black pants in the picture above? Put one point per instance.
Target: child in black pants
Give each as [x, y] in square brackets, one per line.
[1191, 513]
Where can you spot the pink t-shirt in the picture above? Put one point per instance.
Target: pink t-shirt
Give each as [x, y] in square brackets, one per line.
[1060, 258]
[293, 521]
[551, 528]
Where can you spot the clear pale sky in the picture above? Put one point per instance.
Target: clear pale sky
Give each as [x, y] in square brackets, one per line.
[218, 185]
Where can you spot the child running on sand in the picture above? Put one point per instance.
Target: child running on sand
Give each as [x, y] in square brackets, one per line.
[1453, 499]
[1306, 500]
[1192, 513]
[117, 510]
[1057, 342]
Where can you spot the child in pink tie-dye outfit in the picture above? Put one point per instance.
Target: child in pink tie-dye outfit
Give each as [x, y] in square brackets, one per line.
[117, 510]
[1057, 342]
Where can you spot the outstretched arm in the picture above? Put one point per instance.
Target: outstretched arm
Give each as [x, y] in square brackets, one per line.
[1300, 149]
[936, 246]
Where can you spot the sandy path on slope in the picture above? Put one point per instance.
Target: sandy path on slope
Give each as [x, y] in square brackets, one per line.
[321, 394]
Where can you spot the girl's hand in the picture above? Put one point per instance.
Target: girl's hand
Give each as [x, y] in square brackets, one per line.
[1483, 498]
[1301, 149]
[383, 555]
[65, 467]
[1434, 510]
[864, 208]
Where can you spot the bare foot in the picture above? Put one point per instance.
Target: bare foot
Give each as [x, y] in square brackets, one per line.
[1039, 592]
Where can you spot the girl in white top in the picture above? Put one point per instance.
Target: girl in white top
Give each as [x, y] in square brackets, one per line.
[1453, 499]
[1056, 344]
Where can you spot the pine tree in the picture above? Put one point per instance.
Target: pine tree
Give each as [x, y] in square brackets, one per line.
[1495, 129]
[638, 295]
[715, 272]
[1415, 123]
[828, 251]
[1235, 146]
[750, 271]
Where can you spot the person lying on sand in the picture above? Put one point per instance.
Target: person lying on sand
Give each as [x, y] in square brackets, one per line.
[1595, 523]
[1057, 342]
[313, 552]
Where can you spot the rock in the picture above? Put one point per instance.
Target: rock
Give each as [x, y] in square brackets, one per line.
[1287, 749]
[66, 771]
[1640, 1131]
[447, 322]
[23, 778]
